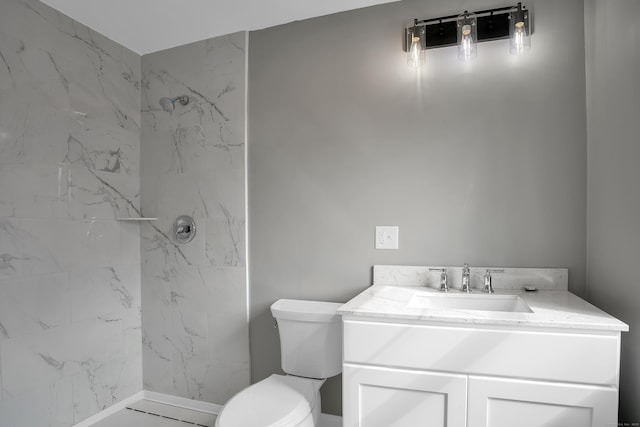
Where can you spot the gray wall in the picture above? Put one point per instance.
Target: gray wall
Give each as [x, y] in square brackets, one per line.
[70, 342]
[613, 209]
[194, 311]
[484, 163]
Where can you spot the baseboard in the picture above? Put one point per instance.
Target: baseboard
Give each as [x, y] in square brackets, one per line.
[327, 420]
[110, 410]
[195, 405]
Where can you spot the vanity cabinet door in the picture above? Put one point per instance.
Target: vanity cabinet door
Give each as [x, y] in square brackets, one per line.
[502, 402]
[388, 397]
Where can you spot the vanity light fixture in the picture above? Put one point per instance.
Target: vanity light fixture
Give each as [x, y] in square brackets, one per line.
[466, 30]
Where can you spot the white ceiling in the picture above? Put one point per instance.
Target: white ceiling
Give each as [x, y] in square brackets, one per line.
[146, 26]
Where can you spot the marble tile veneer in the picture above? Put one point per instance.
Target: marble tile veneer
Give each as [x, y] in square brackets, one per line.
[76, 110]
[195, 331]
[70, 315]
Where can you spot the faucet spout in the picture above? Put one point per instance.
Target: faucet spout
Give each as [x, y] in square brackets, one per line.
[466, 279]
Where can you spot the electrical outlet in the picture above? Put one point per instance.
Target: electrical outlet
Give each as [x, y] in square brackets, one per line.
[386, 237]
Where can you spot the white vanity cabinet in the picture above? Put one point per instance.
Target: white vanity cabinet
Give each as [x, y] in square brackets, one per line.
[411, 373]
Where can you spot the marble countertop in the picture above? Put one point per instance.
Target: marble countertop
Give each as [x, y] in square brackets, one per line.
[551, 309]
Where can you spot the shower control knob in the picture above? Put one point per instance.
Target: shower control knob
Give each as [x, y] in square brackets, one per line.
[184, 229]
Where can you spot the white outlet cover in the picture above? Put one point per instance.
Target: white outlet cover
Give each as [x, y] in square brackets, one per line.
[386, 237]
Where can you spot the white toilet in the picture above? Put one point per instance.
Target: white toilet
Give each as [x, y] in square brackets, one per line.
[311, 352]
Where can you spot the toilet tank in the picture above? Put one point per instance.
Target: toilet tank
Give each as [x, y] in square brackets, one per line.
[310, 337]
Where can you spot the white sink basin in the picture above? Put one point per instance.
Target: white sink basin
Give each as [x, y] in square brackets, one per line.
[482, 302]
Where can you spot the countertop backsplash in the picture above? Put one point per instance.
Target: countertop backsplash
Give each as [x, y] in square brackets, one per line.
[512, 278]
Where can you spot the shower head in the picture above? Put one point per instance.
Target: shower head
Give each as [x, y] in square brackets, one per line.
[169, 104]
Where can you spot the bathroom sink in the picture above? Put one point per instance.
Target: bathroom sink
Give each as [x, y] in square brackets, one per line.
[482, 302]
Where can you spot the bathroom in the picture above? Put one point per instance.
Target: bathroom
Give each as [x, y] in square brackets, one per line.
[297, 140]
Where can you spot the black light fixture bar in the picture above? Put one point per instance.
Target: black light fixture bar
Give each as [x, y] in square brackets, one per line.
[492, 24]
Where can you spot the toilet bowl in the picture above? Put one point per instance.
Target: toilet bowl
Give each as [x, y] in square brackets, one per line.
[311, 351]
[277, 401]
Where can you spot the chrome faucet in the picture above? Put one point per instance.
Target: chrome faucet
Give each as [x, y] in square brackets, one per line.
[466, 279]
[488, 287]
[444, 286]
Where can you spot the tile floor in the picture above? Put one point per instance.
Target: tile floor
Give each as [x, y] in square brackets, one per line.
[146, 413]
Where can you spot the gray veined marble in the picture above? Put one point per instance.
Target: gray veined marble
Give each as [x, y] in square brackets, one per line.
[108, 293]
[83, 141]
[70, 302]
[195, 332]
[31, 304]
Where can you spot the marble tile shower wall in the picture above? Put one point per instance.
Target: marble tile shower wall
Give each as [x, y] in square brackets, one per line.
[70, 316]
[194, 316]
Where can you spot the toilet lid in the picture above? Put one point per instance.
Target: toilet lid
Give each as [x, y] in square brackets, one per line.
[277, 401]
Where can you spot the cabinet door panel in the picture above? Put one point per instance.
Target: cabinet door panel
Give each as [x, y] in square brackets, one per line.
[398, 407]
[509, 412]
[385, 397]
[497, 402]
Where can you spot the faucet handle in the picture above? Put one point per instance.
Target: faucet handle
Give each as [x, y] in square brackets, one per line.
[444, 286]
[488, 286]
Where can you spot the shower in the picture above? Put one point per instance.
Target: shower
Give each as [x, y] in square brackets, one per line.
[169, 104]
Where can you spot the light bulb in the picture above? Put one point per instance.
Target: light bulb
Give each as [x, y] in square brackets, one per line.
[467, 37]
[416, 55]
[519, 39]
[519, 31]
[467, 41]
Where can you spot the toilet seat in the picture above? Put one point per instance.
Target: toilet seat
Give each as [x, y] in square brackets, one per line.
[277, 401]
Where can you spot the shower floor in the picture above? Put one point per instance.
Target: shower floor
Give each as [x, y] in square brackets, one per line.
[146, 413]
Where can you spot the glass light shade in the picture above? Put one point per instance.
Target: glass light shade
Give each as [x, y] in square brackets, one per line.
[467, 37]
[416, 56]
[520, 39]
